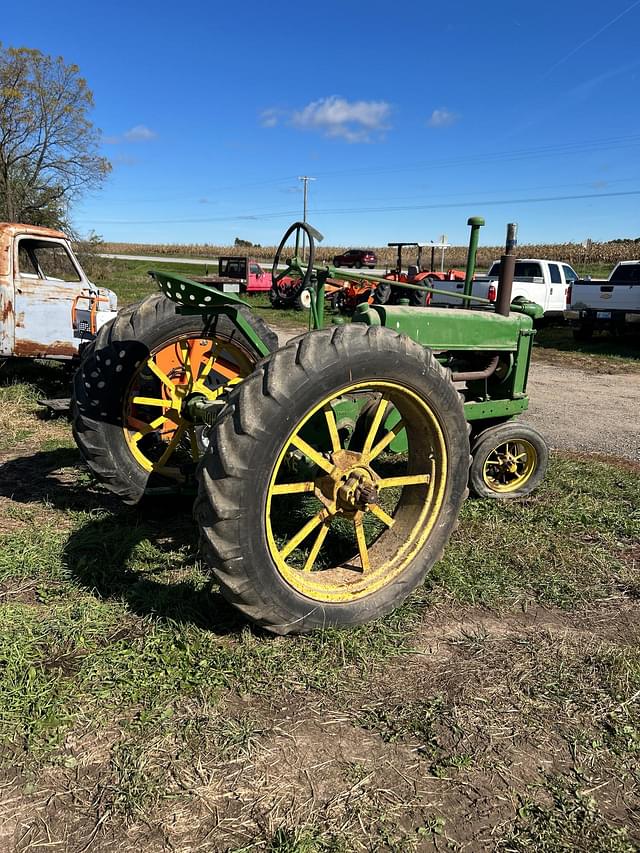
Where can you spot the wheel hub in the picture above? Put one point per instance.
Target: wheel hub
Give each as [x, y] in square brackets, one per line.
[351, 487]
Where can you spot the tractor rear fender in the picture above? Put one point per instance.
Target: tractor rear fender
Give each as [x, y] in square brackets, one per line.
[194, 298]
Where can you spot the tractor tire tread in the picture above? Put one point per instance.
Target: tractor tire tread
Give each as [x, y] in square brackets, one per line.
[236, 436]
[120, 344]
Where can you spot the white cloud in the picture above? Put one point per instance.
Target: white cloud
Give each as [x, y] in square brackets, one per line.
[354, 121]
[139, 133]
[270, 117]
[442, 118]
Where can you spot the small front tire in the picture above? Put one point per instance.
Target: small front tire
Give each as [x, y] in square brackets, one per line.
[509, 461]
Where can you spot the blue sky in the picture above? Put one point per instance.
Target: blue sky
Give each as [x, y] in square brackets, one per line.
[412, 117]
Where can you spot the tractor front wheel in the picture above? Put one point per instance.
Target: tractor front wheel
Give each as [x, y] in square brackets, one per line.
[305, 528]
[129, 391]
[509, 461]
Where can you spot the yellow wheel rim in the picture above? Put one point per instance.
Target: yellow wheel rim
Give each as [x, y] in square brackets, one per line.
[353, 519]
[161, 439]
[509, 465]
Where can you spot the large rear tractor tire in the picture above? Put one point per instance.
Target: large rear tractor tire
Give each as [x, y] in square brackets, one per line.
[303, 530]
[129, 390]
[509, 461]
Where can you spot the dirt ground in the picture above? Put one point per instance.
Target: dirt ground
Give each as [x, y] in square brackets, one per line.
[588, 412]
[591, 412]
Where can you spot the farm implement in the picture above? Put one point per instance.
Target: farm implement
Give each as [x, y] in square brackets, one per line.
[345, 296]
[330, 471]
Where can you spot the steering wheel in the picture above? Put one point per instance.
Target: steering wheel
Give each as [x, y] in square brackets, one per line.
[296, 268]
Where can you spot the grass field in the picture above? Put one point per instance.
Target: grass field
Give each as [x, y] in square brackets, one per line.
[497, 710]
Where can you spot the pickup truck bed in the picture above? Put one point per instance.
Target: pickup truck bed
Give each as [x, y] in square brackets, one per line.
[612, 304]
[536, 280]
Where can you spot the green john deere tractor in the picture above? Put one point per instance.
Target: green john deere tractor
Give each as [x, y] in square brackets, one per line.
[330, 471]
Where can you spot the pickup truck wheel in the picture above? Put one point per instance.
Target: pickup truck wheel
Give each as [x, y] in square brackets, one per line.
[509, 461]
[128, 391]
[583, 333]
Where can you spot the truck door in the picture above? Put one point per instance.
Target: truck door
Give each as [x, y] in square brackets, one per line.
[570, 275]
[257, 278]
[556, 298]
[46, 282]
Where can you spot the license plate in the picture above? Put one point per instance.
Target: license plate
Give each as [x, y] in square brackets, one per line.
[603, 315]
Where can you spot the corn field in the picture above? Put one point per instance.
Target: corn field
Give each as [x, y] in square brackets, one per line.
[573, 253]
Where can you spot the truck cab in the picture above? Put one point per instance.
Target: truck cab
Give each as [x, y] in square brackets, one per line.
[247, 271]
[547, 283]
[48, 306]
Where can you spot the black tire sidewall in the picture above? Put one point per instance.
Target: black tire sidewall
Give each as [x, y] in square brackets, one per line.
[296, 611]
[487, 440]
[115, 363]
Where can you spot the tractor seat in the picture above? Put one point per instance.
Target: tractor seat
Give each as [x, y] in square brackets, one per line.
[412, 272]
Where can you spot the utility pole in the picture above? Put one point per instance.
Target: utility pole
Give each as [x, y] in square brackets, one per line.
[305, 180]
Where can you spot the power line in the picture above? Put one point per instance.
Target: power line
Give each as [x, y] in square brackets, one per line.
[383, 209]
[555, 150]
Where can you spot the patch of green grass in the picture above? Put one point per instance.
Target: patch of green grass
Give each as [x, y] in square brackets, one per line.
[563, 545]
[566, 822]
[131, 282]
[606, 350]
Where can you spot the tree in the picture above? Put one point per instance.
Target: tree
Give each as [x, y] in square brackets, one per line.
[48, 147]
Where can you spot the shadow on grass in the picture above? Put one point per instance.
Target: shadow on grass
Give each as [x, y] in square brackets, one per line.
[128, 554]
[48, 378]
[52, 477]
[131, 555]
[561, 338]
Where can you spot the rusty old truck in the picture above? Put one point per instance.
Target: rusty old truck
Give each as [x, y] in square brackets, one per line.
[48, 306]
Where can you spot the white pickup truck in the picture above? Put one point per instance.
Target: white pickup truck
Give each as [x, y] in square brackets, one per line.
[537, 280]
[612, 303]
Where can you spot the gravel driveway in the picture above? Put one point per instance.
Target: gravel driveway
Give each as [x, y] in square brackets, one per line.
[592, 412]
[578, 410]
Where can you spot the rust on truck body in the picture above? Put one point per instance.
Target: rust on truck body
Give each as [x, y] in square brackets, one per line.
[37, 308]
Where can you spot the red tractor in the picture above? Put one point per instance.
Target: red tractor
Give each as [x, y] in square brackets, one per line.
[346, 296]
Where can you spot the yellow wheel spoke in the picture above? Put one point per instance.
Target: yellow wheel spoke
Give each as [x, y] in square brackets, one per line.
[153, 367]
[362, 544]
[332, 427]
[375, 426]
[317, 545]
[312, 454]
[384, 442]
[149, 428]
[206, 370]
[302, 534]
[292, 488]
[381, 514]
[186, 352]
[151, 401]
[408, 480]
[228, 371]
[169, 448]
